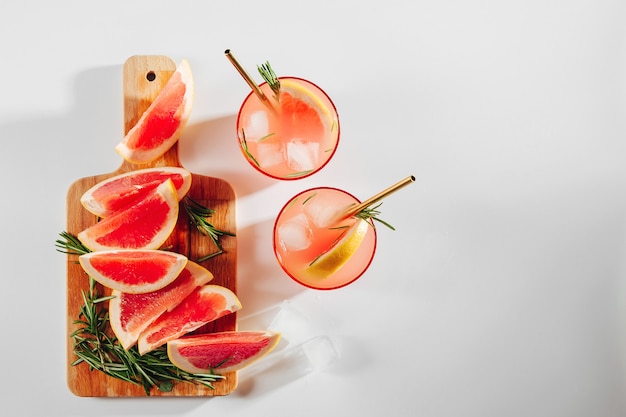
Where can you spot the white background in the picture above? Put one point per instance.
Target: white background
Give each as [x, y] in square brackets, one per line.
[501, 293]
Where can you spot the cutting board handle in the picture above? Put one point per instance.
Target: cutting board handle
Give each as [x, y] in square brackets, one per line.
[144, 76]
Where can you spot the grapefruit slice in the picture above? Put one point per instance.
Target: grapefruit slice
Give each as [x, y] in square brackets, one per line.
[143, 225]
[305, 109]
[120, 191]
[203, 305]
[338, 254]
[220, 352]
[130, 314]
[161, 125]
[133, 271]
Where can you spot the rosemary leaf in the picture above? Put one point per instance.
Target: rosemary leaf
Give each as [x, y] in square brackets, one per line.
[270, 77]
[308, 198]
[70, 245]
[262, 138]
[299, 174]
[199, 216]
[372, 213]
[244, 148]
[209, 256]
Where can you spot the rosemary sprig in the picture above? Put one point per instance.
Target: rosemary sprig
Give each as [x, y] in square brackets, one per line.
[269, 135]
[244, 147]
[309, 198]
[372, 213]
[199, 215]
[270, 77]
[71, 245]
[93, 346]
[365, 214]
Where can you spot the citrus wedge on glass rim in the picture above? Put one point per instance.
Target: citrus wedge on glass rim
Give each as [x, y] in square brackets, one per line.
[144, 225]
[162, 124]
[301, 105]
[340, 252]
[222, 351]
[118, 192]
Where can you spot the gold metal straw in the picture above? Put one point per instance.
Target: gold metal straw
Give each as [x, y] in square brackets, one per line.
[246, 76]
[351, 211]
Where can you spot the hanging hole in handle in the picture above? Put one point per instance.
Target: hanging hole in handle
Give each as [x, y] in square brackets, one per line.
[150, 76]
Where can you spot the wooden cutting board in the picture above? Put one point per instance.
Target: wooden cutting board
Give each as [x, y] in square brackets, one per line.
[143, 78]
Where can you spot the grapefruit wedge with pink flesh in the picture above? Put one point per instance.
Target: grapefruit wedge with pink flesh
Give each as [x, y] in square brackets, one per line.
[130, 314]
[203, 305]
[161, 125]
[143, 225]
[220, 352]
[133, 271]
[120, 191]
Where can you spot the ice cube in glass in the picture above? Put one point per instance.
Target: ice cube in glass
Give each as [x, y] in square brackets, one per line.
[270, 154]
[257, 126]
[295, 233]
[302, 155]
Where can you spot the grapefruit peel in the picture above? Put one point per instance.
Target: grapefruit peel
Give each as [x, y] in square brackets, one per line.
[334, 258]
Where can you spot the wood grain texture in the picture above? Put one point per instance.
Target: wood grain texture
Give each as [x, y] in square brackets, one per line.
[215, 193]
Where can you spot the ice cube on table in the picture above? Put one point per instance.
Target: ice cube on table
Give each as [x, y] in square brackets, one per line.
[257, 126]
[317, 354]
[303, 348]
[320, 352]
[270, 154]
[302, 155]
[321, 210]
[294, 326]
[295, 233]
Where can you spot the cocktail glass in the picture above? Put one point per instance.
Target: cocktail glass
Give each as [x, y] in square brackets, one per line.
[307, 227]
[324, 237]
[291, 137]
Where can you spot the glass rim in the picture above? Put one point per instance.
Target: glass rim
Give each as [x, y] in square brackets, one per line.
[274, 247]
[295, 178]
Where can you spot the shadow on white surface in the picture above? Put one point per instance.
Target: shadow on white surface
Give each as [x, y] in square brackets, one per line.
[210, 147]
[77, 143]
[261, 282]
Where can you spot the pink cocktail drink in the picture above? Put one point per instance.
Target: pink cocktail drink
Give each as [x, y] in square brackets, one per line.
[290, 135]
[306, 232]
